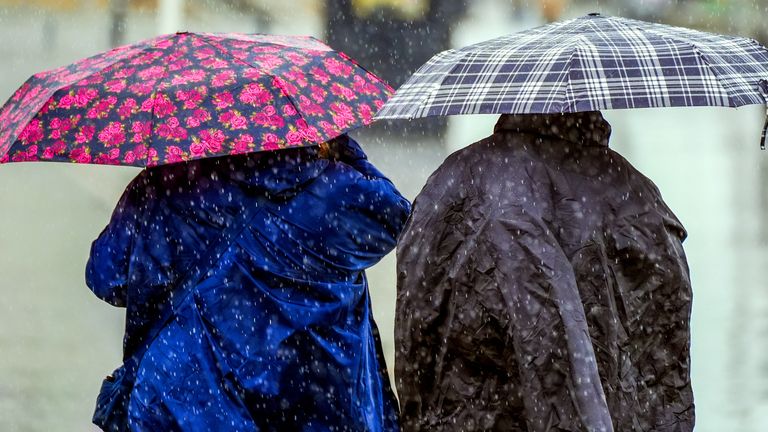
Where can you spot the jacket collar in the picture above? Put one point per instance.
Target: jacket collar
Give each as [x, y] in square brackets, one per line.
[586, 128]
[282, 173]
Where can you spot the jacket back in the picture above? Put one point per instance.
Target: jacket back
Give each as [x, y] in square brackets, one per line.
[278, 333]
[542, 286]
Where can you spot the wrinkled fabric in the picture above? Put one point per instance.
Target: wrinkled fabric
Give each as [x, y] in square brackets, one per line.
[278, 334]
[542, 286]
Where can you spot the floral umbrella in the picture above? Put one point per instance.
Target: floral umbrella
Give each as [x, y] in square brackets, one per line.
[187, 96]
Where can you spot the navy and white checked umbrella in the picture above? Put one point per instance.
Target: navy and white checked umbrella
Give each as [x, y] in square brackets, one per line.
[590, 63]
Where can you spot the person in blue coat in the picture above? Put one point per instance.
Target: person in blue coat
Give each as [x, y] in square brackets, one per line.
[247, 306]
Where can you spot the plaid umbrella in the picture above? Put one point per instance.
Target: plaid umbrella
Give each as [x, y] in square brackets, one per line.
[188, 96]
[590, 63]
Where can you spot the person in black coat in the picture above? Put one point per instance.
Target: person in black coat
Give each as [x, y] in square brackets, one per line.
[542, 286]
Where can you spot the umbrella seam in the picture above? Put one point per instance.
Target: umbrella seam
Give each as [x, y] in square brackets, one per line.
[152, 116]
[282, 90]
[419, 110]
[371, 74]
[7, 108]
[232, 36]
[15, 133]
[152, 124]
[568, 86]
[575, 48]
[704, 60]
[396, 113]
[345, 56]
[595, 103]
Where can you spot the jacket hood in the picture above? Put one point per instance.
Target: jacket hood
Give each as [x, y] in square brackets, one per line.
[586, 128]
[280, 173]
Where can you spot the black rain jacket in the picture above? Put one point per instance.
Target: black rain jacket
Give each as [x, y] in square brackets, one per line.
[542, 286]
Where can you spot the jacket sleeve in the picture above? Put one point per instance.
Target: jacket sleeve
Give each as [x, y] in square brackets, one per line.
[107, 271]
[373, 212]
[349, 151]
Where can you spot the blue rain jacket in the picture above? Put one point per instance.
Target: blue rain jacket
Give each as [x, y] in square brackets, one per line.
[243, 281]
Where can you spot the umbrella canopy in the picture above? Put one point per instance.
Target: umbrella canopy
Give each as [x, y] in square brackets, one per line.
[590, 63]
[187, 96]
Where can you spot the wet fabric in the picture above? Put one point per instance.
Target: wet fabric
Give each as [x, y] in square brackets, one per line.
[542, 286]
[277, 335]
[593, 62]
[187, 96]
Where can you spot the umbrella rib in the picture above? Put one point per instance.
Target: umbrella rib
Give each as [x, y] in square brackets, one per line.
[436, 88]
[370, 74]
[464, 52]
[152, 116]
[265, 42]
[36, 77]
[574, 49]
[110, 64]
[152, 124]
[282, 90]
[583, 42]
[568, 87]
[693, 46]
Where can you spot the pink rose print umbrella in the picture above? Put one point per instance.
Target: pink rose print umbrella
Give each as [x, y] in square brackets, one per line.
[188, 96]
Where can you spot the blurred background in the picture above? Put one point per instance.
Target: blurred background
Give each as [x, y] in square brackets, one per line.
[57, 341]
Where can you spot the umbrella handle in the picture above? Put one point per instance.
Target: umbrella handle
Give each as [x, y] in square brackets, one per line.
[765, 128]
[762, 86]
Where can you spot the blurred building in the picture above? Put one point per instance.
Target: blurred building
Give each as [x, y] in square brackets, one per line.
[393, 38]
